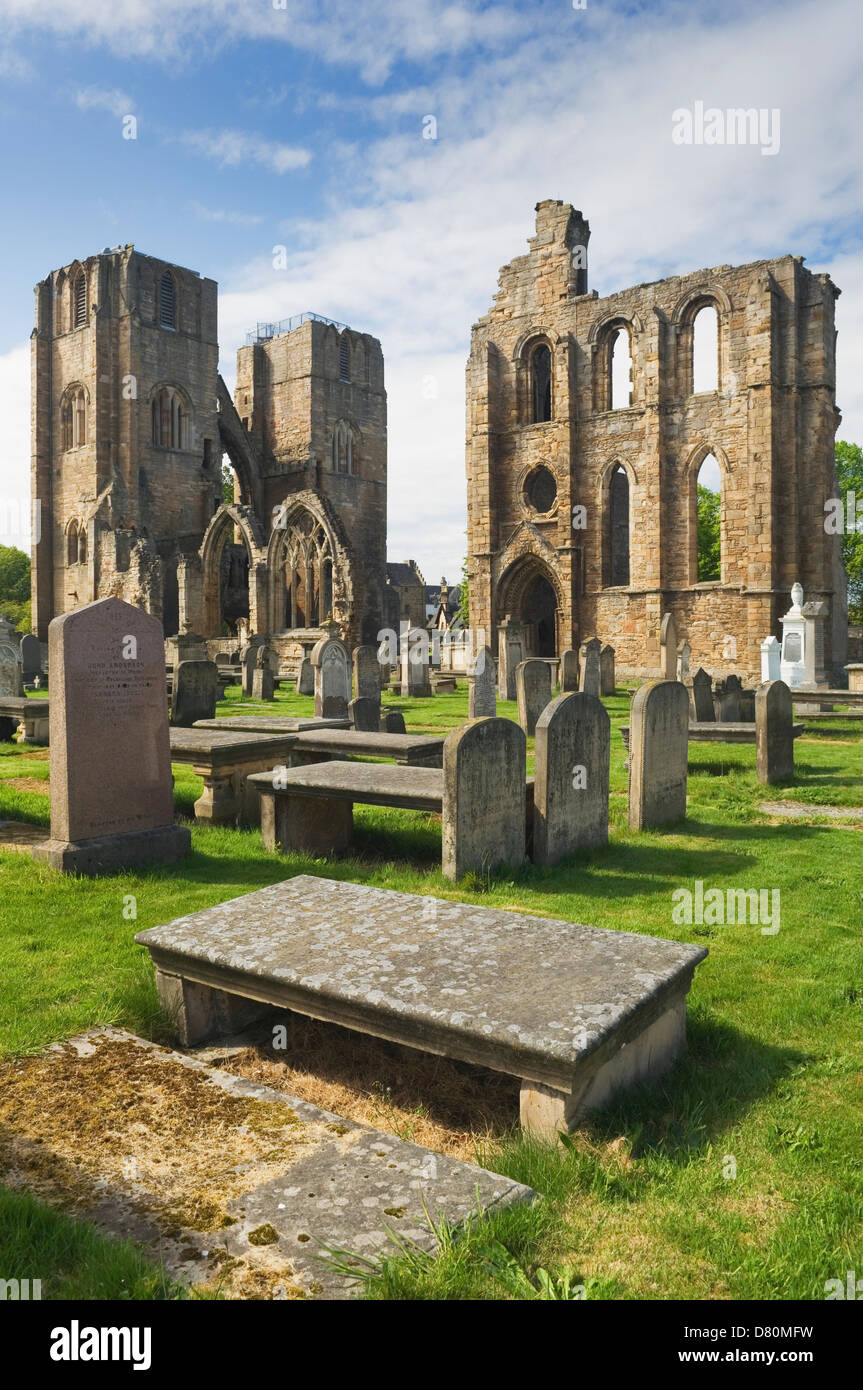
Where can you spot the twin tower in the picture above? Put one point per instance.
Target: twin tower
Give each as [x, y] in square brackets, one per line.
[130, 423]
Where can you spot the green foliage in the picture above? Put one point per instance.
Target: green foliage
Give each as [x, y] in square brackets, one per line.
[849, 473]
[464, 599]
[227, 483]
[15, 586]
[709, 547]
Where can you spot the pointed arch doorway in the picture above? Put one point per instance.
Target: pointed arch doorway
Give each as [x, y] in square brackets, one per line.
[528, 593]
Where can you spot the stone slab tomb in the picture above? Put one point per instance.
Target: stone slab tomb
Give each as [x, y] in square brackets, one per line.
[573, 750]
[224, 759]
[28, 718]
[112, 799]
[533, 692]
[658, 747]
[195, 692]
[224, 1182]
[774, 732]
[576, 1013]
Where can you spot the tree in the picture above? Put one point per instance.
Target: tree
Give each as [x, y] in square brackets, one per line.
[227, 483]
[464, 600]
[849, 474]
[709, 546]
[15, 586]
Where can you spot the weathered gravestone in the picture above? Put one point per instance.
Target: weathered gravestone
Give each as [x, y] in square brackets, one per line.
[414, 661]
[484, 797]
[247, 661]
[668, 648]
[481, 699]
[112, 798]
[533, 692]
[510, 651]
[11, 678]
[568, 671]
[306, 678]
[393, 722]
[332, 678]
[367, 674]
[365, 714]
[606, 670]
[702, 697]
[31, 657]
[684, 657]
[195, 692]
[658, 747]
[728, 700]
[589, 667]
[774, 734]
[263, 681]
[573, 751]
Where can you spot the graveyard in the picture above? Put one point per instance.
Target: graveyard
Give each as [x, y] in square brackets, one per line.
[627, 1200]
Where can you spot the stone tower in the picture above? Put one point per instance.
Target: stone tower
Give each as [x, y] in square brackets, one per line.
[126, 455]
[583, 483]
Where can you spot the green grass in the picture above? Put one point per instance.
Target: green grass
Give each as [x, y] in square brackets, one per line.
[641, 1204]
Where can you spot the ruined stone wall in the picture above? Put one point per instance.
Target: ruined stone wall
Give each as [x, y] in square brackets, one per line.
[770, 425]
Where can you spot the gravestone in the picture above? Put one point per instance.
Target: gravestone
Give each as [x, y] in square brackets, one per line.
[367, 674]
[668, 648]
[365, 714]
[589, 667]
[568, 671]
[195, 692]
[31, 657]
[414, 663]
[533, 692]
[510, 651]
[606, 670]
[332, 669]
[774, 733]
[306, 678]
[263, 680]
[481, 699]
[658, 747]
[683, 658]
[11, 677]
[393, 722]
[573, 751]
[702, 697]
[771, 656]
[247, 661]
[484, 797]
[112, 800]
[729, 700]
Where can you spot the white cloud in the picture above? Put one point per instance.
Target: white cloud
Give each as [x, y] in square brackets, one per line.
[12, 65]
[234, 147]
[235, 219]
[100, 99]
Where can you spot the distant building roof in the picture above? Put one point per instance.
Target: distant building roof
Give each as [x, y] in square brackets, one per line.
[402, 574]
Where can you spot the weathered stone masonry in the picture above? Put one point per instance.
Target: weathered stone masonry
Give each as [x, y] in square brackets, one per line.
[770, 425]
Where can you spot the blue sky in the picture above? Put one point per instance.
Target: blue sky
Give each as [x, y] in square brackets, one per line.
[260, 126]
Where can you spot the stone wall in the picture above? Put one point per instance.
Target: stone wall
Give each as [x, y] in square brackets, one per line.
[770, 425]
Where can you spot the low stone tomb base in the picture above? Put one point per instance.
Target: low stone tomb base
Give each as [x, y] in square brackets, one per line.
[577, 1013]
[165, 844]
[222, 1182]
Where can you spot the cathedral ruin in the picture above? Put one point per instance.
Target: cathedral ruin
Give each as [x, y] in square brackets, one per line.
[131, 420]
[588, 422]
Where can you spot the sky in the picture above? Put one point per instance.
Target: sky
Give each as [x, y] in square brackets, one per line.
[304, 124]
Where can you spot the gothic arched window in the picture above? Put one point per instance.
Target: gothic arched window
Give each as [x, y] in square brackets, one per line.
[540, 381]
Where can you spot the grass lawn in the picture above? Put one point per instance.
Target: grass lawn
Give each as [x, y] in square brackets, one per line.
[739, 1176]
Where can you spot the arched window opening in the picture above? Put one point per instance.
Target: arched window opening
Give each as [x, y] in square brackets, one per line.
[308, 571]
[344, 359]
[82, 546]
[539, 615]
[73, 418]
[540, 372]
[709, 529]
[72, 544]
[617, 568]
[79, 300]
[705, 350]
[170, 420]
[66, 420]
[620, 369]
[342, 448]
[167, 301]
